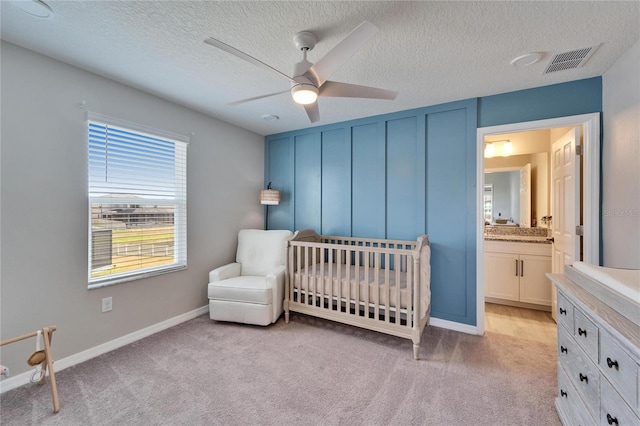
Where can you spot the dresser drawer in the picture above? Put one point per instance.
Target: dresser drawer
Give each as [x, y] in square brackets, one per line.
[583, 373]
[586, 334]
[564, 312]
[566, 347]
[571, 403]
[614, 410]
[619, 368]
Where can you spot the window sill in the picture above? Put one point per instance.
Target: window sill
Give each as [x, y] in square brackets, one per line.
[106, 282]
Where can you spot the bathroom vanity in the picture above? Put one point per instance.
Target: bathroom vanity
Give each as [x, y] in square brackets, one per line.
[515, 270]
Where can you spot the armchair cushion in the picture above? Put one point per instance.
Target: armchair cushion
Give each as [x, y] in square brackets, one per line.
[248, 289]
[260, 252]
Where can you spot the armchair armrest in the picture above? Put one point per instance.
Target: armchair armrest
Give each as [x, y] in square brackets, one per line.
[275, 279]
[227, 271]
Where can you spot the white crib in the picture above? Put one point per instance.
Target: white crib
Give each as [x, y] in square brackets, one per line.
[381, 285]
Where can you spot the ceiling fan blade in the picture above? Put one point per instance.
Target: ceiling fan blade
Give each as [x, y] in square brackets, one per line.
[345, 90]
[242, 101]
[337, 56]
[235, 52]
[312, 111]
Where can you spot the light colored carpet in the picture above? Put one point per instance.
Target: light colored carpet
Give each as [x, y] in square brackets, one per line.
[307, 372]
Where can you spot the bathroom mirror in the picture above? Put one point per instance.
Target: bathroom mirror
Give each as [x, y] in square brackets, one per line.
[519, 192]
[503, 206]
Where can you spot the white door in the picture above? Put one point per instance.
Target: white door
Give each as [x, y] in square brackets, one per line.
[565, 202]
[525, 196]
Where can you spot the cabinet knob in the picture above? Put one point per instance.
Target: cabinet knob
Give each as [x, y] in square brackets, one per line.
[584, 378]
[582, 332]
[612, 420]
[563, 311]
[612, 364]
[563, 393]
[563, 349]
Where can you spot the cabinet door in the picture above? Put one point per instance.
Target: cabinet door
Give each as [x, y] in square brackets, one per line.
[534, 285]
[500, 276]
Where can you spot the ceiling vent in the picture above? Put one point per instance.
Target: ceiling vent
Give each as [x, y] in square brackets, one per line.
[569, 60]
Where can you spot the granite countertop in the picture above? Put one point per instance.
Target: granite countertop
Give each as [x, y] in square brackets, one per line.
[517, 238]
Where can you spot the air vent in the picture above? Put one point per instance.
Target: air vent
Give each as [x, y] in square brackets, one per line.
[569, 60]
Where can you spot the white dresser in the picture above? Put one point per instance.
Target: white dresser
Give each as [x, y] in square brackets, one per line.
[598, 354]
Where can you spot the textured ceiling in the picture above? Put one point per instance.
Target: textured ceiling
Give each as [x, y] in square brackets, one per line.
[429, 52]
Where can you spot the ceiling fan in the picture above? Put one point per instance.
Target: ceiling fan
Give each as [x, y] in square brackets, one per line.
[311, 80]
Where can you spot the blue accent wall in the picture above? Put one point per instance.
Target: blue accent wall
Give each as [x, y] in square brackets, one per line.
[404, 174]
[558, 100]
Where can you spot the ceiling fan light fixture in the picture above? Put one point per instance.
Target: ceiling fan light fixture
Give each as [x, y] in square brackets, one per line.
[304, 93]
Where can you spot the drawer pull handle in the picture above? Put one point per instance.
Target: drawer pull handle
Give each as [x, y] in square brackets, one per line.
[517, 273]
[563, 393]
[563, 349]
[612, 364]
[584, 378]
[563, 311]
[582, 332]
[612, 420]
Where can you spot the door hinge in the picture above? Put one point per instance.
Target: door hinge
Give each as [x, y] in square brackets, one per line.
[579, 230]
[579, 150]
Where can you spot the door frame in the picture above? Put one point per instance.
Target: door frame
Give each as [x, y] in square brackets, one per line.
[591, 189]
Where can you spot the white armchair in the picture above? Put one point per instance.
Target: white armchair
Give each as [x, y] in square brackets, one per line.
[251, 290]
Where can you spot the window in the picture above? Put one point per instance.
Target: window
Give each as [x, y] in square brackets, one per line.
[137, 202]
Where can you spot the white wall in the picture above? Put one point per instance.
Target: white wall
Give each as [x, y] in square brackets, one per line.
[44, 209]
[621, 162]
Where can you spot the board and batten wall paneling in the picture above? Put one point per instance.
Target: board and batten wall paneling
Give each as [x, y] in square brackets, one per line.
[405, 175]
[447, 213]
[279, 171]
[368, 181]
[307, 202]
[336, 182]
[373, 176]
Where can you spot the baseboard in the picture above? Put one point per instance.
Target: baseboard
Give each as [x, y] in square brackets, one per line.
[75, 359]
[455, 326]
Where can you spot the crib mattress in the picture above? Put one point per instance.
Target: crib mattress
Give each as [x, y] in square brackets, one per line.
[304, 280]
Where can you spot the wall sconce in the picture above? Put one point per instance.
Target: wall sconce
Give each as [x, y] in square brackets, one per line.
[494, 148]
[489, 150]
[269, 197]
[507, 148]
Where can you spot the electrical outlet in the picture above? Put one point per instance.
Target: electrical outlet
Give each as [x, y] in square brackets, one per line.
[107, 304]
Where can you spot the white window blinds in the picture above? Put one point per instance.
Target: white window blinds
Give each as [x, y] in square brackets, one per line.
[137, 203]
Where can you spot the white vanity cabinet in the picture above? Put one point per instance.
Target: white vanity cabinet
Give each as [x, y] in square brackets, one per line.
[514, 273]
[598, 359]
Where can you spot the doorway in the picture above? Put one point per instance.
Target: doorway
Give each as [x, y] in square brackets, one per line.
[590, 124]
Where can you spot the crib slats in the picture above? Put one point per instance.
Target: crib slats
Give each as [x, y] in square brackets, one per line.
[377, 285]
[322, 286]
[367, 261]
[357, 261]
[299, 269]
[387, 288]
[398, 263]
[409, 290]
[315, 277]
[331, 253]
